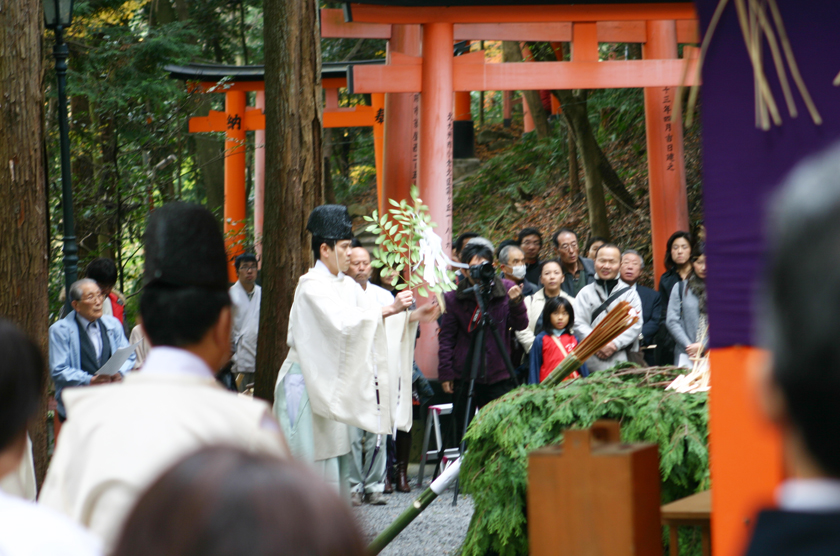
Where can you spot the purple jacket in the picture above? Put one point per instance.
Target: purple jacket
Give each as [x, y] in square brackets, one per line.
[454, 337]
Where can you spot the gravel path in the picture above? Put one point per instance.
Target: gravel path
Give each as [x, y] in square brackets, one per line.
[440, 529]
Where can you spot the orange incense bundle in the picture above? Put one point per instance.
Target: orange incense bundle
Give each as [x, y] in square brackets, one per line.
[622, 317]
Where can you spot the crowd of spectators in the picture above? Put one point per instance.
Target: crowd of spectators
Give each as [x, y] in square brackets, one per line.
[673, 329]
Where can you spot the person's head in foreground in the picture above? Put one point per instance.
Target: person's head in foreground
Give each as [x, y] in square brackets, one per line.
[226, 502]
[104, 272]
[21, 382]
[801, 389]
[185, 301]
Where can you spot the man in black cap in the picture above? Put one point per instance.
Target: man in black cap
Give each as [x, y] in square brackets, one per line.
[119, 438]
[336, 373]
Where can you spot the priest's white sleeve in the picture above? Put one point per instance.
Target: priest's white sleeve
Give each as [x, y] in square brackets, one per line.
[339, 346]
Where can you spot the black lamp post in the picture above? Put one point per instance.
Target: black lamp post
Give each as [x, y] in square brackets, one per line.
[58, 14]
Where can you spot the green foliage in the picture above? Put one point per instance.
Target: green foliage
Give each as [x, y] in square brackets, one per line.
[401, 233]
[495, 468]
[130, 146]
[531, 167]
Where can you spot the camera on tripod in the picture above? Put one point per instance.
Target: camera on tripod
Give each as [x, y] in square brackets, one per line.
[483, 273]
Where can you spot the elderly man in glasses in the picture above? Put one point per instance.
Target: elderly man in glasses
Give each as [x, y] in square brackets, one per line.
[83, 341]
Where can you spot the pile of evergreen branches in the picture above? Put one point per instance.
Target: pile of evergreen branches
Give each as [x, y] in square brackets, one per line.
[495, 468]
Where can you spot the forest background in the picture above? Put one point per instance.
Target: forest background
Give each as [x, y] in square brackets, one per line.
[131, 150]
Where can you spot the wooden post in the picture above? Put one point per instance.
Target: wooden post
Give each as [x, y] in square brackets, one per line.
[435, 169]
[666, 164]
[402, 125]
[745, 451]
[259, 181]
[235, 137]
[506, 108]
[527, 119]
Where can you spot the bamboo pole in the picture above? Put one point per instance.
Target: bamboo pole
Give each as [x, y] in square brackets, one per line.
[416, 508]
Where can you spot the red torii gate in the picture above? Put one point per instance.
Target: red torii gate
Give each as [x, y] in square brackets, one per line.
[420, 84]
[435, 74]
[238, 118]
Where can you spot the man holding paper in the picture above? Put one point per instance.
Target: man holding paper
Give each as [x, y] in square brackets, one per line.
[82, 343]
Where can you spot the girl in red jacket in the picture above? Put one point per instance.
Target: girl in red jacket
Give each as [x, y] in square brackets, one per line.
[554, 343]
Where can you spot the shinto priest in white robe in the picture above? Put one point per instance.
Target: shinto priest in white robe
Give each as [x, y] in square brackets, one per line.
[120, 437]
[337, 346]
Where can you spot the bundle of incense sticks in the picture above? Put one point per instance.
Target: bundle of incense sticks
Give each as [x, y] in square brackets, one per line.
[622, 317]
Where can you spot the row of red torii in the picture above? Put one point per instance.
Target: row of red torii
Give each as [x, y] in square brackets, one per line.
[414, 92]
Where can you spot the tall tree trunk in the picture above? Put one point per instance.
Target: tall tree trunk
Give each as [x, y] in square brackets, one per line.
[574, 170]
[513, 52]
[575, 112]
[293, 167]
[23, 218]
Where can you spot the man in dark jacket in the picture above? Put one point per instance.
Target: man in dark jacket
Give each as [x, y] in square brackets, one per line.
[632, 264]
[530, 241]
[577, 271]
[800, 387]
[457, 327]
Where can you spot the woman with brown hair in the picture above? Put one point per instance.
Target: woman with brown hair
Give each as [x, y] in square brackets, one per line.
[226, 502]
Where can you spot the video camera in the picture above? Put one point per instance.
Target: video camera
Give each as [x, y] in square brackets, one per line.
[483, 273]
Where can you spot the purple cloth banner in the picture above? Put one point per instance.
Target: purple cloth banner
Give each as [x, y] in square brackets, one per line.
[742, 165]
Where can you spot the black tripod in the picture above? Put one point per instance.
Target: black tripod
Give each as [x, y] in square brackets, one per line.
[476, 362]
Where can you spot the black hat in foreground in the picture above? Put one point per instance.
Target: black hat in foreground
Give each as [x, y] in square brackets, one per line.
[330, 222]
[185, 248]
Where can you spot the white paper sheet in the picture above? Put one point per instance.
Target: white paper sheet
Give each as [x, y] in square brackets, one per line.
[117, 360]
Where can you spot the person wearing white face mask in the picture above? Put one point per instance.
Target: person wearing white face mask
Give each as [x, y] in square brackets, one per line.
[512, 267]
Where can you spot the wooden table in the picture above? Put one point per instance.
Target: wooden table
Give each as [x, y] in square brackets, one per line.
[693, 510]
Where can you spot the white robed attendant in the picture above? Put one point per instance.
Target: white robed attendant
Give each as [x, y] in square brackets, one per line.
[246, 327]
[368, 465]
[119, 438]
[171, 408]
[336, 339]
[337, 371]
[21, 482]
[246, 297]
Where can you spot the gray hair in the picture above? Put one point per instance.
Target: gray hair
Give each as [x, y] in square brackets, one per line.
[482, 241]
[634, 252]
[504, 254]
[76, 288]
[799, 323]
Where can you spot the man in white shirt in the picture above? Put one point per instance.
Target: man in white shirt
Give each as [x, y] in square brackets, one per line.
[119, 438]
[246, 296]
[26, 528]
